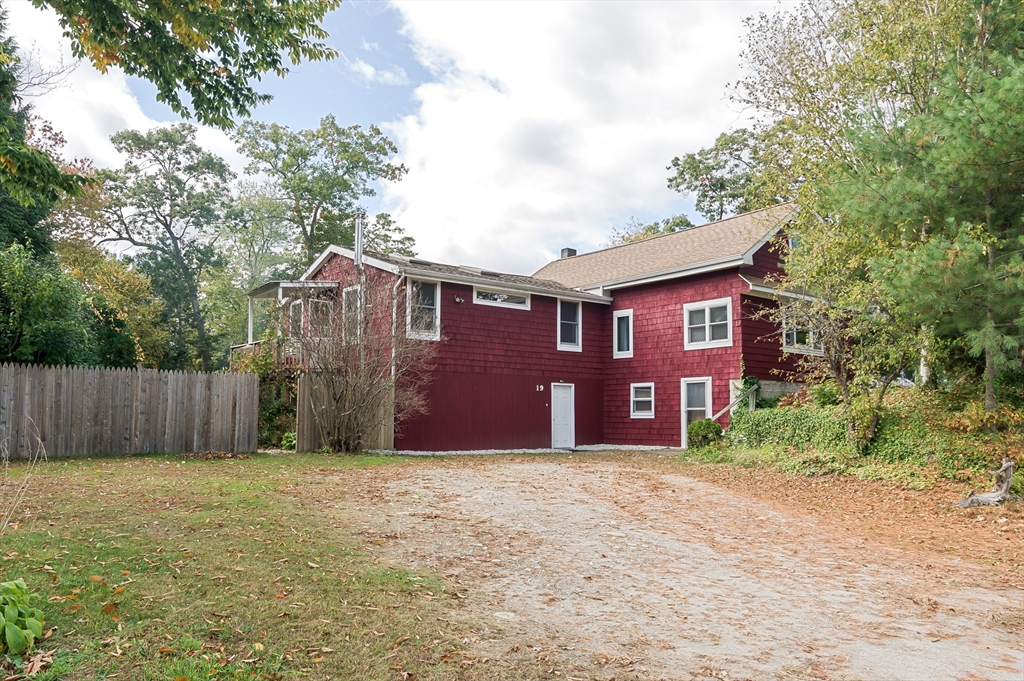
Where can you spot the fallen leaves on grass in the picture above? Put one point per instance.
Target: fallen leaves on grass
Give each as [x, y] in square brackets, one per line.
[38, 662]
[212, 456]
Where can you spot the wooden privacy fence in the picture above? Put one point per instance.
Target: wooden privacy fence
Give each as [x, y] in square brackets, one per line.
[82, 411]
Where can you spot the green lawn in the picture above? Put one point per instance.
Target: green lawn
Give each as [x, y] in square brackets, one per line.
[157, 568]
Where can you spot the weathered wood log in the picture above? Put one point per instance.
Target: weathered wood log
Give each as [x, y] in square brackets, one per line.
[1000, 489]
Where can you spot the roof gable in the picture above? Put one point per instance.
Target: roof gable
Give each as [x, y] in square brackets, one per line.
[716, 245]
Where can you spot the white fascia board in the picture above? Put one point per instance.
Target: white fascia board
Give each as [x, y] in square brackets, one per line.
[351, 255]
[748, 257]
[767, 292]
[701, 268]
[576, 296]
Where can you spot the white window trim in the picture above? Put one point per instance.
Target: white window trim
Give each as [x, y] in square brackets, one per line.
[291, 318]
[717, 302]
[434, 335]
[578, 347]
[344, 315]
[633, 414]
[496, 303]
[616, 353]
[708, 410]
[312, 302]
[799, 349]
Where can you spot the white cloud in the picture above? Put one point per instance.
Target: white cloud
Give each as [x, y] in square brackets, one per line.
[393, 76]
[91, 106]
[547, 124]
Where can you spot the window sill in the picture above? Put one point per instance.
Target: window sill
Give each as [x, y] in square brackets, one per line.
[570, 348]
[707, 345]
[622, 355]
[641, 416]
[796, 350]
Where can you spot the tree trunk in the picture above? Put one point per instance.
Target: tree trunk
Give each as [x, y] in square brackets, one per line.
[1000, 488]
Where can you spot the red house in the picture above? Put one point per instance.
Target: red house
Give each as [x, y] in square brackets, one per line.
[624, 345]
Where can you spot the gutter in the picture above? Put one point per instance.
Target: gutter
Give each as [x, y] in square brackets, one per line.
[675, 273]
[581, 296]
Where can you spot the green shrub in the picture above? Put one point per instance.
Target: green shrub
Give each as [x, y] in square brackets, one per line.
[820, 428]
[20, 624]
[702, 434]
[288, 441]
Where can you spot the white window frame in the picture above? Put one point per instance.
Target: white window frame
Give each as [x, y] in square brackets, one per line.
[616, 353]
[708, 409]
[800, 349]
[495, 303]
[345, 312]
[707, 305]
[434, 335]
[568, 347]
[292, 332]
[633, 413]
[308, 309]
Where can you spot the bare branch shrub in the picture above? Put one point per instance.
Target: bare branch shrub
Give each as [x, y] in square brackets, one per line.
[14, 486]
[365, 373]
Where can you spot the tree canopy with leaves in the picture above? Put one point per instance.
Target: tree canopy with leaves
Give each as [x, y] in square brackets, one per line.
[208, 51]
[320, 175]
[167, 204]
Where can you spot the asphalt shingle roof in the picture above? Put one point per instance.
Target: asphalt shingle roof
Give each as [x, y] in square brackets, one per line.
[722, 240]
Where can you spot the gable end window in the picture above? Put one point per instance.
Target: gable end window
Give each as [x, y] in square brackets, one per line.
[707, 324]
[518, 301]
[622, 334]
[423, 310]
[569, 326]
[641, 401]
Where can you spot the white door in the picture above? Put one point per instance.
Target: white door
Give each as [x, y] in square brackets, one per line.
[696, 401]
[563, 416]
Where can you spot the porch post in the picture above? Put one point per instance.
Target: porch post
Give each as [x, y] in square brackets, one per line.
[250, 320]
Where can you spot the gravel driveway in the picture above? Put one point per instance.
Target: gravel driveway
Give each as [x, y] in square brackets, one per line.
[608, 570]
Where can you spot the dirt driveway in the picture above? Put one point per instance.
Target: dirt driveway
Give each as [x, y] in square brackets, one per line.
[596, 568]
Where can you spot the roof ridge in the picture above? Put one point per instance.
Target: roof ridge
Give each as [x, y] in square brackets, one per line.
[659, 236]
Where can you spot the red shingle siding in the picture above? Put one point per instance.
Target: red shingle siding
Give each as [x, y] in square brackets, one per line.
[491, 360]
[767, 259]
[659, 357]
[762, 344]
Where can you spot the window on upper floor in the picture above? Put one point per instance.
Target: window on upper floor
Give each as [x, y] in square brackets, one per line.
[295, 318]
[708, 324]
[423, 310]
[519, 301]
[622, 334]
[350, 314]
[319, 318]
[641, 400]
[800, 340]
[569, 325]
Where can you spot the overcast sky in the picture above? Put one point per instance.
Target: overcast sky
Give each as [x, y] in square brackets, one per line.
[526, 126]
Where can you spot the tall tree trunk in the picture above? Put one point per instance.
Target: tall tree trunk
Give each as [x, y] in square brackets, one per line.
[990, 352]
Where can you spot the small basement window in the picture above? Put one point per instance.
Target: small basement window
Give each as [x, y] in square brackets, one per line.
[708, 324]
[519, 301]
[641, 404]
[423, 310]
[622, 334]
[569, 326]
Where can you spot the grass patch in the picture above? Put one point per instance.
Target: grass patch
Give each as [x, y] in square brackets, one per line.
[154, 568]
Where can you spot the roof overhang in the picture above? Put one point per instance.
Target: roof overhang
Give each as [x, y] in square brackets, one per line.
[764, 289]
[674, 273]
[287, 289]
[483, 282]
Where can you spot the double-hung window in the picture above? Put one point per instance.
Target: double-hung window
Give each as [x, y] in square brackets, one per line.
[320, 318]
[423, 310]
[569, 326]
[295, 319]
[350, 314]
[641, 400]
[622, 334]
[708, 324]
